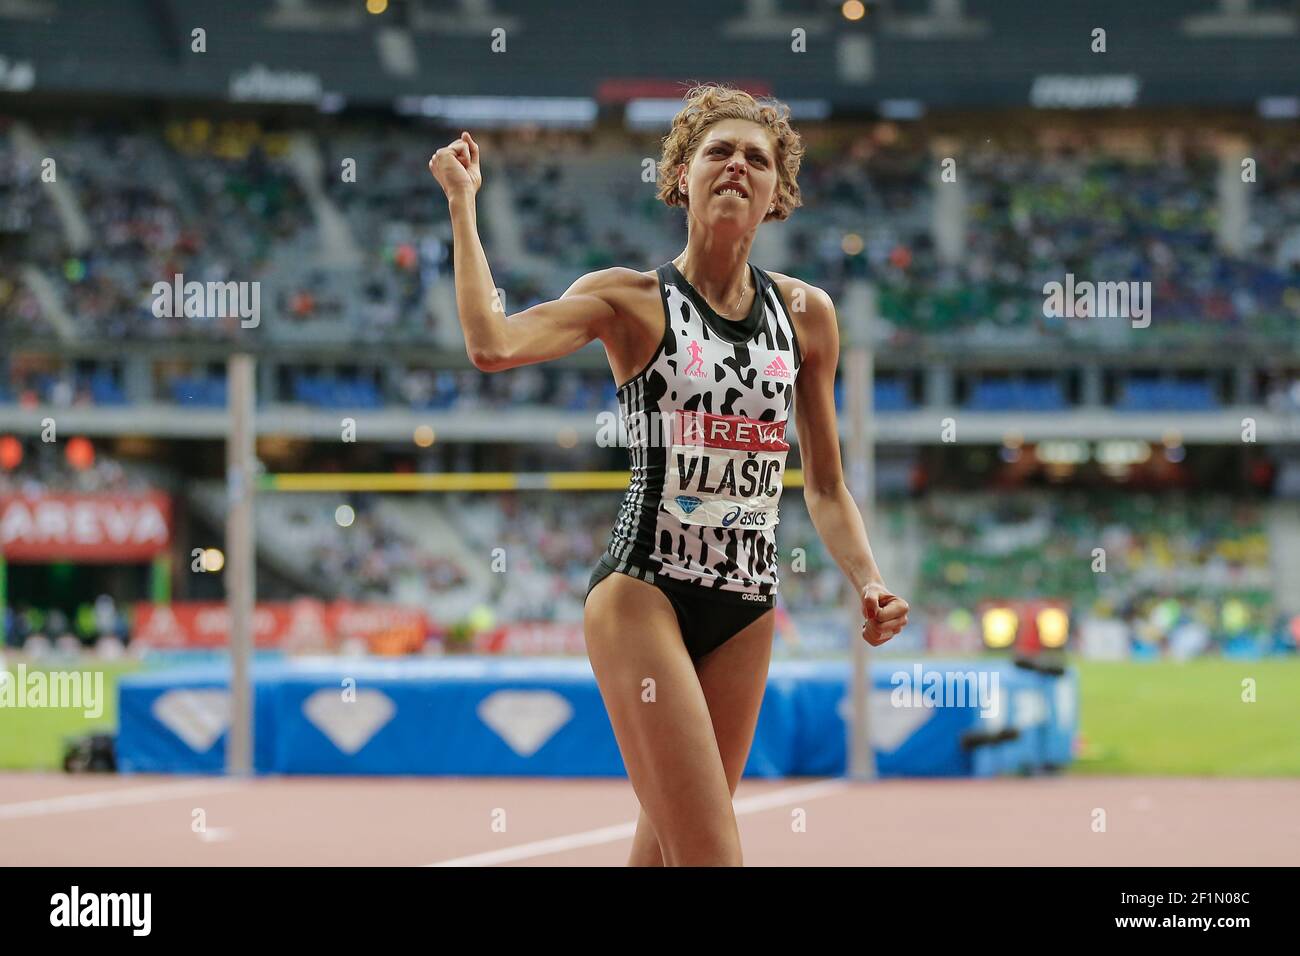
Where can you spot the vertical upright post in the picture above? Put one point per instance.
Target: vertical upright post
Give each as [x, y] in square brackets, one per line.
[240, 561]
[160, 579]
[858, 389]
[4, 599]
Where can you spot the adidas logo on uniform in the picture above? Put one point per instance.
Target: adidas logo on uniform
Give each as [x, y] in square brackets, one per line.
[776, 369]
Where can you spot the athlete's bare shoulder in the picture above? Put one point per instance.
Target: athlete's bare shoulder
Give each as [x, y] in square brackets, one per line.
[810, 308]
[613, 280]
[801, 296]
[637, 319]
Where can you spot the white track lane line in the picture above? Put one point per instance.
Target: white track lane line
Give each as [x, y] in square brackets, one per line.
[624, 831]
[101, 799]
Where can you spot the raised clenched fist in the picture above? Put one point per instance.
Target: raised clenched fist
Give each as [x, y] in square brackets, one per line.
[456, 167]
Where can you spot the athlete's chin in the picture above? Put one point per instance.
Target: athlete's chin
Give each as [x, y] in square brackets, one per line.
[726, 223]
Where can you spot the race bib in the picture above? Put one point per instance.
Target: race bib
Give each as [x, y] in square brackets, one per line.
[725, 471]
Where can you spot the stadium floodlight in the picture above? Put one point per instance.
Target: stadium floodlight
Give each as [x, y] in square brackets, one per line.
[1063, 452]
[11, 453]
[1053, 627]
[1000, 627]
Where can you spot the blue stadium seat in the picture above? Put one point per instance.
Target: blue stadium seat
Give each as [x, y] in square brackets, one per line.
[891, 396]
[196, 392]
[1016, 396]
[104, 389]
[340, 393]
[1146, 394]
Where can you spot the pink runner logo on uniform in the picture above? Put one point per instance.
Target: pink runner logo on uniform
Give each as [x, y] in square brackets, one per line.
[776, 369]
[695, 367]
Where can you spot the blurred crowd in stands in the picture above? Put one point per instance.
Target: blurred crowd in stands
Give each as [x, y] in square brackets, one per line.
[45, 468]
[346, 229]
[1182, 574]
[100, 625]
[350, 238]
[377, 558]
[1170, 575]
[558, 389]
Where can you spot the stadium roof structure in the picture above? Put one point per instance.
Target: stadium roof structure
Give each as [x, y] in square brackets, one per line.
[900, 58]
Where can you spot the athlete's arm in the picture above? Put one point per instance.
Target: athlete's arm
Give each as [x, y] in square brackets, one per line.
[494, 340]
[830, 505]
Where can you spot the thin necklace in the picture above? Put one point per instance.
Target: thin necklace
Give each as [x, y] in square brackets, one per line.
[743, 289]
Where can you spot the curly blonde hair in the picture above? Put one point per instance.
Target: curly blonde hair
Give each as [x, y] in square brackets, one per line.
[707, 104]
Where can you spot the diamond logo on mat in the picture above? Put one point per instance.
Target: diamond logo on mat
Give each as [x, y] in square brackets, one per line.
[890, 725]
[349, 725]
[197, 717]
[688, 503]
[525, 719]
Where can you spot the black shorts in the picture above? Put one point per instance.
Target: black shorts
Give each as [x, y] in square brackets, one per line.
[707, 619]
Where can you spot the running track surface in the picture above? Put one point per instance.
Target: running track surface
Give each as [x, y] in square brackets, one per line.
[49, 819]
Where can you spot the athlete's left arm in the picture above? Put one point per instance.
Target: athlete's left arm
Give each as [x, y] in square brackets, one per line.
[830, 505]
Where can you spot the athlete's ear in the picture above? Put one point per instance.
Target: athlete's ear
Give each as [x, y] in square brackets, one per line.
[681, 178]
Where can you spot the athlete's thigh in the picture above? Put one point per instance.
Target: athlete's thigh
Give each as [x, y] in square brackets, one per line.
[659, 713]
[733, 678]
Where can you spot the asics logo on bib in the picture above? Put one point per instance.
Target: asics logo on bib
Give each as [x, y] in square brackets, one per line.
[729, 469]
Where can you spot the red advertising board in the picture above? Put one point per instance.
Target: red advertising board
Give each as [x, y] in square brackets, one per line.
[539, 637]
[306, 624]
[85, 527]
[619, 89]
[385, 628]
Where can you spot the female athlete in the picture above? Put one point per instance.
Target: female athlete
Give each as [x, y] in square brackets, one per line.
[709, 353]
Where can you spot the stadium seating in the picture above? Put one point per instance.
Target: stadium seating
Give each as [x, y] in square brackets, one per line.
[1199, 553]
[1016, 396]
[1154, 395]
[230, 199]
[198, 392]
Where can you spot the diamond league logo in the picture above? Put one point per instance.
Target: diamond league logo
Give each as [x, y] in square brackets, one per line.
[688, 503]
[349, 725]
[525, 719]
[199, 716]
